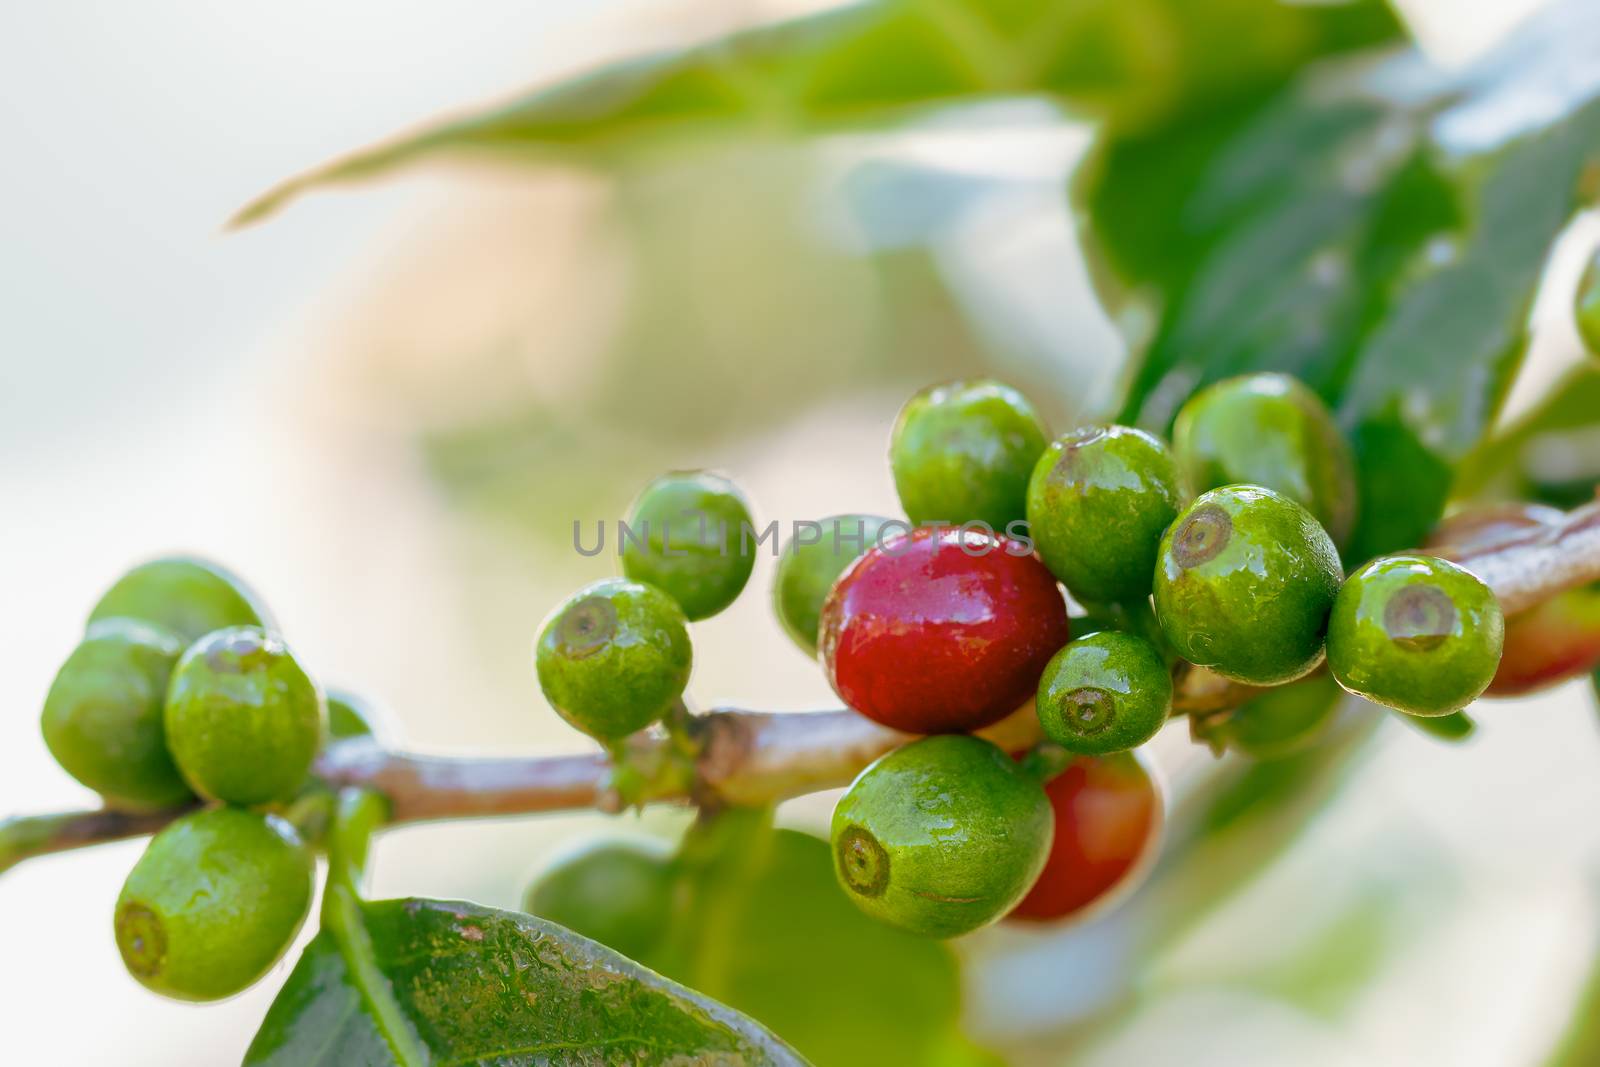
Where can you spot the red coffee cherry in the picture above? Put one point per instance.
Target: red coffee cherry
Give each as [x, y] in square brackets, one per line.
[1108, 817]
[941, 631]
[1549, 642]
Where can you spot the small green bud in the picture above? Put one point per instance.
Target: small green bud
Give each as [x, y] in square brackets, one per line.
[963, 451]
[189, 597]
[697, 547]
[243, 719]
[941, 836]
[213, 903]
[614, 657]
[1415, 633]
[350, 715]
[1104, 693]
[103, 718]
[1098, 502]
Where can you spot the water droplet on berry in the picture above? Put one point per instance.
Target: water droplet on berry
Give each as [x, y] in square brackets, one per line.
[1419, 617]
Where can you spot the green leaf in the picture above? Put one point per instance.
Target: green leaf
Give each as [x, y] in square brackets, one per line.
[414, 982]
[1378, 229]
[1133, 62]
[764, 927]
[1580, 1043]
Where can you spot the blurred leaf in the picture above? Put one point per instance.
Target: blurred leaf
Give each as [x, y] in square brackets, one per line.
[1579, 1046]
[420, 981]
[1131, 61]
[1232, 828]
[1377, 229]
[1342, 961]
[762, 925]
[1551, 455]
[1226, 829]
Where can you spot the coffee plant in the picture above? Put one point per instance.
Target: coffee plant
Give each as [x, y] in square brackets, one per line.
[1329, 251]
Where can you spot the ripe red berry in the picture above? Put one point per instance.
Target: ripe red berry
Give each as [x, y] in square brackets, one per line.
[1108, 819]
[941, 631]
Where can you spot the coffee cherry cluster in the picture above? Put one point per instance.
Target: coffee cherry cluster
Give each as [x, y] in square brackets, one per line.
[180, 692]
[1220, 550]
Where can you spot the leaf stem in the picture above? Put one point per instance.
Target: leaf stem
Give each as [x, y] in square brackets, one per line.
[358, 814]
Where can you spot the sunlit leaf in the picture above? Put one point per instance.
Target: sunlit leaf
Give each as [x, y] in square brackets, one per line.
[870, 64]
[414, 982]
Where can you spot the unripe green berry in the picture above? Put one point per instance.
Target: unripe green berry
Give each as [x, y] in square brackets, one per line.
[691, 538]
[1272, 431]
[1107, 692]
[189, 597]
[618, 893]
[1098, 502]
[941, 836]
[1281, 721]
[808, 568]
[963, 452]
[213, 903]
[102, 720]
[1244, 583]
[1587, 305]
[1415, 633]
[614, 657]
[243, 719]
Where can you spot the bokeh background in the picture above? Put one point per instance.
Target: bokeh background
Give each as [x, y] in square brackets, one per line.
[387, 406]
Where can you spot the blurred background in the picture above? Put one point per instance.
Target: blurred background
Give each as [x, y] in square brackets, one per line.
[386, 406]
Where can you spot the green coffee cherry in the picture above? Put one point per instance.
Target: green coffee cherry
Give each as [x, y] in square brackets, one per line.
[691, 537]
[1098, 502]
[1282, 721]
[1272, 431]
[1244, 584]
[102, 720]
[213, 903]
[190, 597]
[963, 452]
[618, 893]
[243, 719]
[1107, 692]
[614, 657]
[1587, 305]
[808, 568]
[941, 836]
[1415, 633]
